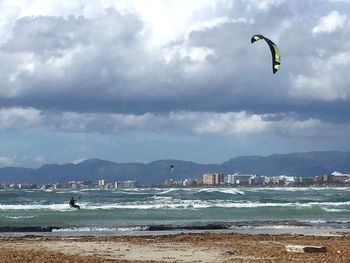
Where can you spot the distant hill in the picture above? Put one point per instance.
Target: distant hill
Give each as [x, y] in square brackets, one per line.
[295, 164]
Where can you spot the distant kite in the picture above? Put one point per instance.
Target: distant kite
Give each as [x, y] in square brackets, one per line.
[276, 57]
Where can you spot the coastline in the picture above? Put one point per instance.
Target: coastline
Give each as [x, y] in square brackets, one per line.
[181, 247]
[294, 227]
[211, 225]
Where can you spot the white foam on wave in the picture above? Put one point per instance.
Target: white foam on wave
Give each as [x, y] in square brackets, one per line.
[54, 207]
[19, 217]
[266, 227]
[101, 229]
[334, 210]
[134, 189]
[315, 221]
[281, 227]
[233, 191]
[162, 198]
[322, 204]
[295, 189]
[160, 202]
[168, 202]
[75, 191]
[168, 191]
[129, 192]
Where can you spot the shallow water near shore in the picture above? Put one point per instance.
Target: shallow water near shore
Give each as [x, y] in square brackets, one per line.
[138, 211]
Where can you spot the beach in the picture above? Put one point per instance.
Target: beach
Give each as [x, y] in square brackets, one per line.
[182, 247]
[175, 225]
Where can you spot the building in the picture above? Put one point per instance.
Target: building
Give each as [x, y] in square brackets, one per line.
[337, 177]
[126, 184]
[213, 178]
[208, 179]
[285, 180]
[102, 183]
[241, 179]
[79, 184]
[189, 183]
[173, 183]
[306, 181]
[256, 180]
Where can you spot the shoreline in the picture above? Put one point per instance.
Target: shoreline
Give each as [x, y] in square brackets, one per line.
[181, 247]
[244, 227]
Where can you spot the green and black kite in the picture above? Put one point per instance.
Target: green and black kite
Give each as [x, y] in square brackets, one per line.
[276, 57]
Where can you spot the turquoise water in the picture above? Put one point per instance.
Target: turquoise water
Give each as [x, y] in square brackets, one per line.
[143, 207]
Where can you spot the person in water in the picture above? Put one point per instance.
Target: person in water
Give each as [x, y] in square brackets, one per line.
[72, 203]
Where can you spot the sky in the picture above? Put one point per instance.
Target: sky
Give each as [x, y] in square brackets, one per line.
[138, 81]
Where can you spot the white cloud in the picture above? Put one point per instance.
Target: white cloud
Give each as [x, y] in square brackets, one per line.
[264, 4]
[330, 23]
[344, 1]
[5, 161]
[19, 117]
[236, 124]
[327, 82]
[239, 124]
[79, 160]
[9, 15]
[178, 67]
[40, 159]
[316, 88]
[89, 9]
[291, 127]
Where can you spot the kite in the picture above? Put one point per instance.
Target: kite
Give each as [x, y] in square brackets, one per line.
[276, 57]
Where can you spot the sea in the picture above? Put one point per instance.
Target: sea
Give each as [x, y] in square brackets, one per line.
[312, 210]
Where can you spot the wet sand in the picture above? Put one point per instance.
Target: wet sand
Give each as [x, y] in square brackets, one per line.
[184, 247]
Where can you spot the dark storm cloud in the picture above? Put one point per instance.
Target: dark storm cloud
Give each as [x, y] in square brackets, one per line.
[41, 35]
[105, 64]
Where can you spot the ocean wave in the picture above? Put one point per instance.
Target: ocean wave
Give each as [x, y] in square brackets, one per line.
[102, 229]
[19, 217]
[135, 189]
[168, 191]
[314, 221]
[168, 202]
[295, 189]
[183, 204]
[171, 203]
[54, 207]
[267, 227]
[162, 198]
[334, 210]
[233, 191]
[130, 192]
[322, 204]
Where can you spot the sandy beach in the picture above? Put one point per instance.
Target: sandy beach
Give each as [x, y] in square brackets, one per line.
[183, 247]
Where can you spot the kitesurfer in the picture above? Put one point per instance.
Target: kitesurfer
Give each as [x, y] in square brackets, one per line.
[72, 203]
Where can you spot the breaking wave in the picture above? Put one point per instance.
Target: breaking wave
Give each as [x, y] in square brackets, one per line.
[160, 202]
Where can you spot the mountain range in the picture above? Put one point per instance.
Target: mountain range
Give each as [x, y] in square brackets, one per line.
[294, 164]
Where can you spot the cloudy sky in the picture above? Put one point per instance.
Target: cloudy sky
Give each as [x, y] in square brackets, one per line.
[137, 81]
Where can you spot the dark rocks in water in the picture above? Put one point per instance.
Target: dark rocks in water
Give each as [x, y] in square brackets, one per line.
[218, 226]
[27, 228]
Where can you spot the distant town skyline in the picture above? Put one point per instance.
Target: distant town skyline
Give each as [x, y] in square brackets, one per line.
[138, 81]
[216, 179]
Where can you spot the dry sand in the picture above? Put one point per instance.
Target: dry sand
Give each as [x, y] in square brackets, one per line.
[189, 247]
